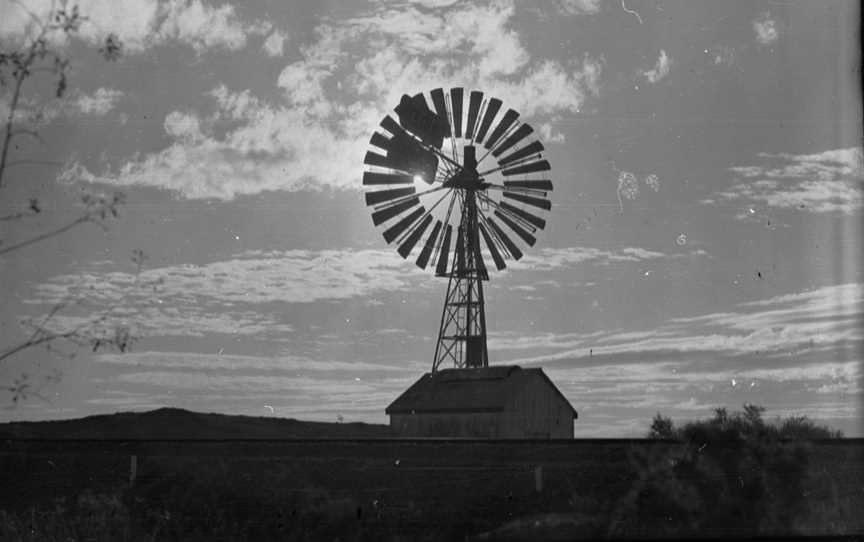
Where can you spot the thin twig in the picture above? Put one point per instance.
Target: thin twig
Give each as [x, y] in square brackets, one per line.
[42, 237]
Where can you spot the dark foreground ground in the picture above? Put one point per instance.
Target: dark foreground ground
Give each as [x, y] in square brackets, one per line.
[390, 489]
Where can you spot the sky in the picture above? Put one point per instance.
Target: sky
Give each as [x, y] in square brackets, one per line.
[703, 249]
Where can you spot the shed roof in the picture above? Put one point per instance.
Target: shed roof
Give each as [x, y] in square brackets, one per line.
[466, 390]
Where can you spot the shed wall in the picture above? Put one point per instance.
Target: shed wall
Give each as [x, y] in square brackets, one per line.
[536, 410]
[470, 424]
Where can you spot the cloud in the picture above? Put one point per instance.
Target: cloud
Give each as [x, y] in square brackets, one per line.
[237, 296]
[274, 45]
[723, 55]
[830, 181]
[765, 29]
[575, 7]
[183, 126]
[294, 276]
[434, 3]
[205, 27]
[36, 114]
[548, 136]
[821, 320]
[100, 102]
[195, 361]
[660, 70]
[141, 24]
[348, 77]
[151, 317]
[770, 352]
[555, 258]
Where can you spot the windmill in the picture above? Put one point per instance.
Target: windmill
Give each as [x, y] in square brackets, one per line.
[432, 168]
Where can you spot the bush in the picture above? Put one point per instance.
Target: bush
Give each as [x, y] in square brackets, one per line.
[733, 474]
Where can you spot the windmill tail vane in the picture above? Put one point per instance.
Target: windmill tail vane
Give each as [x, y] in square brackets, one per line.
[434, 170]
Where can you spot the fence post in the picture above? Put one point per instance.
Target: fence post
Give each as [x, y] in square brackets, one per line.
[133, 468]
[538, 479]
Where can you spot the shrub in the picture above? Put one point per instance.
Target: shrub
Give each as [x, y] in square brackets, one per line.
[731, 474]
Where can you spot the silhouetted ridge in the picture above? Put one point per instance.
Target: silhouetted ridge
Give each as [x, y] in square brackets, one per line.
[177, 423]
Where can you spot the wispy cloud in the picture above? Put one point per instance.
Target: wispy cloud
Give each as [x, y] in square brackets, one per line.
[549, 136]
[828, 318]
[293, 276]
[554, 258]
[575, 7]
[660, 70]
[236, 296]
[765, 29]
[35, 113]
[295, 365]
[353, 73]
[142, 24]
[100, 102]
[299, 276]
[829, 181]
[274, 45]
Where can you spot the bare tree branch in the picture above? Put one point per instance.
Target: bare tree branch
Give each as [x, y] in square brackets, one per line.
[42, 237]
[35, 55]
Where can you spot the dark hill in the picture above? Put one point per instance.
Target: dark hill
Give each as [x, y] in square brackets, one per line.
[176, 423]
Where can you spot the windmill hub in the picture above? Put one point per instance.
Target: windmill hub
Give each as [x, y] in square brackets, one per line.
[463, 196]
[467, 177]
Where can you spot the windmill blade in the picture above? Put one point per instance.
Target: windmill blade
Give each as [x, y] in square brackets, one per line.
[440, 107]
[506, 122]
[375, 159]
[536, 202]
[473, 109]
[391, 125]
[456, 96]
[406, 246]
[479, 264]
[394, 231]
[491, 110]
[544, 184]
[380, 141]
[373, 178]
[521, 133]
[496, 256]
[420, 101]
[511, 246]
[423, 258]
[444, 253]
[532, 148]
[536, 221]
[519, 230]
[531, 167]
[390, 211]
[374, 198]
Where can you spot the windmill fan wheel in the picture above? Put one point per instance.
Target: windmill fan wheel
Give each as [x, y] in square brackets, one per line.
[466, 163]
